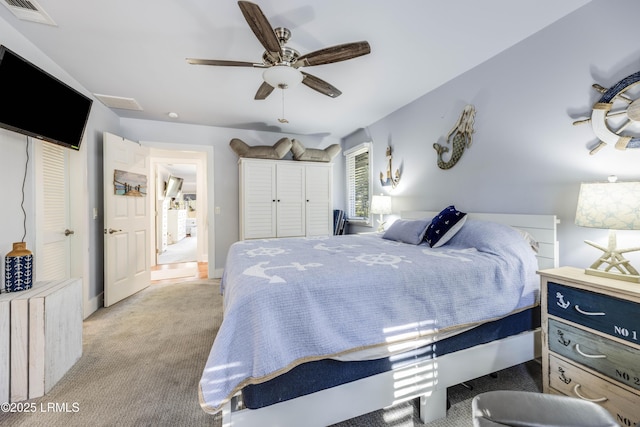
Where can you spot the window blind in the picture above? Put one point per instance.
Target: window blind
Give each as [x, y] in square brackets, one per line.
[358, 182]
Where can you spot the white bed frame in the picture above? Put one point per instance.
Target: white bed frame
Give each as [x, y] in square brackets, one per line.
[427, 380]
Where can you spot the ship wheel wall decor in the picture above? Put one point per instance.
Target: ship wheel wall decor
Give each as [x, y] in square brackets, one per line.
[615, 118]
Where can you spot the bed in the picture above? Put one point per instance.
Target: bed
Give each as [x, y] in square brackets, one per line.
[339, 344]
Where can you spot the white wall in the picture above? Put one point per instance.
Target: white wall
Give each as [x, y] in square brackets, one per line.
[12, 171]
[526, 155]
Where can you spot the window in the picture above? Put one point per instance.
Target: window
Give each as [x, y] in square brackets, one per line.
[358, 160]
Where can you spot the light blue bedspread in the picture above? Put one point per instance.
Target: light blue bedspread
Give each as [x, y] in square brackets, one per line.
[289, 301]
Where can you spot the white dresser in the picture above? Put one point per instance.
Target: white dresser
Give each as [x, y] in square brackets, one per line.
[192, 227]
[591, 340]
[176, 225]
[40, 337]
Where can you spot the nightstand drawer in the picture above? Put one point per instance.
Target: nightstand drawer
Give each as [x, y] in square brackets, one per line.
[613, 316]
[615, 360]
[572, 381]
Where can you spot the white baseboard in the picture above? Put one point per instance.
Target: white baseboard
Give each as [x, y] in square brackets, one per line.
[93, 305]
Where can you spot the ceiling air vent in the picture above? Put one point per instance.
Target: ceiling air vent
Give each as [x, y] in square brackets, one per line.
[28, 10]
[119, 102]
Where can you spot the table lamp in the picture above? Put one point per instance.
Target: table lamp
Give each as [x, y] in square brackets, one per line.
[614, 206]
[381, 205]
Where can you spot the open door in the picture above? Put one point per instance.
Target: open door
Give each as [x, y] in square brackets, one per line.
[126, 218]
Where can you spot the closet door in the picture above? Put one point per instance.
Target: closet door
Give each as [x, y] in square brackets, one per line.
[258, 199]
[53, 240]
[290, 196]
[319, 207]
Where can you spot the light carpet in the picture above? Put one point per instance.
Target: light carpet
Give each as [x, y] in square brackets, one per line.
[143, 358]
[141, 363]
[183, 251]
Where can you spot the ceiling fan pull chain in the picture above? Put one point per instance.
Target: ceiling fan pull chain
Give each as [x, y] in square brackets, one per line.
[283, 120]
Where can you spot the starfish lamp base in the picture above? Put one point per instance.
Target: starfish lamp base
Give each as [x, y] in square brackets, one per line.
[616, 265]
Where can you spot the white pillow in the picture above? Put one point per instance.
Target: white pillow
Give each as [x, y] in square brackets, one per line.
[530, 240]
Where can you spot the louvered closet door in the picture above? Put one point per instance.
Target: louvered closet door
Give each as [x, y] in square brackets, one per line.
[290, 200]
[258, 186]
[52, 211]
[318, 198]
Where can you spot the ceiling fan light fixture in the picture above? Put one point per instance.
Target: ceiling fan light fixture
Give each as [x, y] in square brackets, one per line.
[282, 76]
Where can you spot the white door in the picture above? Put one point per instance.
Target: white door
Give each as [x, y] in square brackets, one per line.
[290, 200]
[319, 200]
[52, 211]
[258, 200]
[126, 219]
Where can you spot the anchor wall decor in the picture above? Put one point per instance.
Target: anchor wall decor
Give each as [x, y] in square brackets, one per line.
[389, 179]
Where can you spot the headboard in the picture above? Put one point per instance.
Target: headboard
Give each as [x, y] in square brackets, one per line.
[541, 227]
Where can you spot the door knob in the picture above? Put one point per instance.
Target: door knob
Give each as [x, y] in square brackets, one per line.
[111, 231]
[68, 232]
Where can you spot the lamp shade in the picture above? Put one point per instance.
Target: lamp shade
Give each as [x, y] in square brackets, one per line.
[282, 76]
[610, 205]
[381, 205]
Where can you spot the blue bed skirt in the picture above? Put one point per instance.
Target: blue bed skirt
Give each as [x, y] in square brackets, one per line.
[319, 375]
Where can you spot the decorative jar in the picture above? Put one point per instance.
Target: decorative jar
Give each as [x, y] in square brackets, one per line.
[18, 268]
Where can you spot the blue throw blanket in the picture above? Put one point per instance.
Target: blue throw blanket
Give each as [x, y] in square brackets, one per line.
[289, 301]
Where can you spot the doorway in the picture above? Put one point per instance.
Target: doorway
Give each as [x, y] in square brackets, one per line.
[176, 219]
[179, 247]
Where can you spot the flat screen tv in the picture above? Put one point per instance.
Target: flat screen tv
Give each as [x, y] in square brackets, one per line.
[35, 103]
[173, 187]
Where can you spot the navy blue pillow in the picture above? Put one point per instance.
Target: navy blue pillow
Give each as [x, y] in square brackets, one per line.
[444, 226]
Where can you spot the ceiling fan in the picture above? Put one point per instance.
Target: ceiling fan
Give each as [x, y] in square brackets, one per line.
[282, 64]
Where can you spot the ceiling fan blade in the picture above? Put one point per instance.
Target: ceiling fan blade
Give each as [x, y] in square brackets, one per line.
[320, 85]
[334, 54]
[222, 62]
[260, 27]
[264, 90]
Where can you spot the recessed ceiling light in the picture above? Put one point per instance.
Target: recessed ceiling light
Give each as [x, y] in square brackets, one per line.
[173, 115]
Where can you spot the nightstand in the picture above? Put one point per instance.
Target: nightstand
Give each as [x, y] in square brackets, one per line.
[591, 340]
